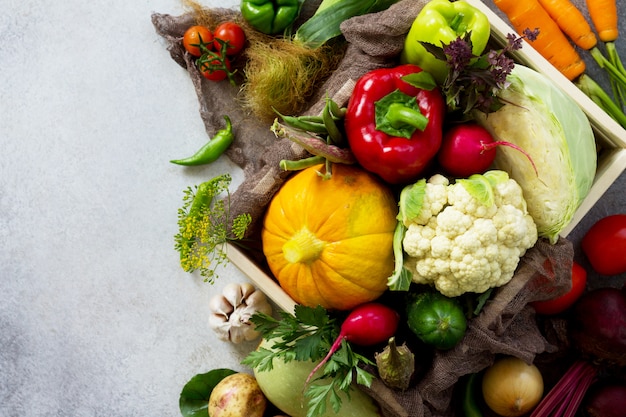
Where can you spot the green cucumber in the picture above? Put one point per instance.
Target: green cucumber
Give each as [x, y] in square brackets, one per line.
[324, 24]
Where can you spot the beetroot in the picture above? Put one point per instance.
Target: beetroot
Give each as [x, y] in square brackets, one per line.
[598, 329]
[606, 401]
[598, 325]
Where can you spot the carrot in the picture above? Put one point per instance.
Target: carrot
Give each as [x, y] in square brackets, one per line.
[575, 25]
[551, 43]
[603, 14]
[571, 21]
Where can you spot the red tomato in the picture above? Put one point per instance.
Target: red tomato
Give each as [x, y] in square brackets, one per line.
[605, 245]
[559, 304]
[196, 35]
[211, 71]
[231, 33]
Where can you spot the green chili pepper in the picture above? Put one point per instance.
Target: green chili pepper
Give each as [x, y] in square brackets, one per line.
[270, 16]
[439, 23]
[212, 149]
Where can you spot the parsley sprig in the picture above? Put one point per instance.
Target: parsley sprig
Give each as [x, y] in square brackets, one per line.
[203, 223]
[308, 335]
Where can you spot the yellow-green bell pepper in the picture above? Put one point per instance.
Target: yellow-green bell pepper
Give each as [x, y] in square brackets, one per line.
[439, 23]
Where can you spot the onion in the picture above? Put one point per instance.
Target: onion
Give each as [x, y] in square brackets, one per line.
[511, 387]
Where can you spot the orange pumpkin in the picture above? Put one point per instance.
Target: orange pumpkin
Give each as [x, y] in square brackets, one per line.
[328, 242]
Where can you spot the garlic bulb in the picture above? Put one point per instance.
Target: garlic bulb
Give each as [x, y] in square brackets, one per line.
[231, 312]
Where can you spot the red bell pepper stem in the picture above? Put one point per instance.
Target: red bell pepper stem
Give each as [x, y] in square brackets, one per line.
[400, 115]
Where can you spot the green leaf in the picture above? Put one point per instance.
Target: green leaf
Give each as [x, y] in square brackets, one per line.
[317, 394]
[309, 347]
[264, 323]
[194, 398]
[345, 383]
[343, 355]
[317, 316]
[411, 201]
[261, 360]
[422, 80]
[400, 279]
[496, 177]
[363, 377]
[435, 50]
[481, 300]
[480, 188]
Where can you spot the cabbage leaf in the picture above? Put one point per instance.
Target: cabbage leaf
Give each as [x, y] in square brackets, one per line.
[555, 132]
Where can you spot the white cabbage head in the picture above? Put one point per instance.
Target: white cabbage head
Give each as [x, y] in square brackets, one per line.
[555, 132]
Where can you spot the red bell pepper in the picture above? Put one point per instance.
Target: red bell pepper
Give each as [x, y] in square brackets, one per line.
[394, 129]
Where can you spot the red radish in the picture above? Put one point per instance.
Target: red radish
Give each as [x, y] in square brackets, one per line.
[598, 329]
[469, 148]
[606, 401]
[366, 325]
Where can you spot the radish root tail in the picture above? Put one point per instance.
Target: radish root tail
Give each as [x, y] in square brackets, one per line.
[489, 146]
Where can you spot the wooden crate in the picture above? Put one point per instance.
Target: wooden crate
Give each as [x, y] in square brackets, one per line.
[610, 138]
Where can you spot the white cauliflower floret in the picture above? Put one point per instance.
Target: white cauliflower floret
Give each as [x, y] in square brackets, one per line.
[459, 197]
[435, 199]
[468, 245]
[509, 192]
[452, 222]
[420, 246]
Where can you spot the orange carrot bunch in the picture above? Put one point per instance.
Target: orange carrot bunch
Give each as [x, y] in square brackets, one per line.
[551, 42]
[558, 20]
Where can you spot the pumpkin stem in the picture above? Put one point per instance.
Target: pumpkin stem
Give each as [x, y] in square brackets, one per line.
[303, 247]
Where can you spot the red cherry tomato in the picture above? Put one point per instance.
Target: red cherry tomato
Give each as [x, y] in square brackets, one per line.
[559, 304]
[605, 245]
[211, 71]
[196, 35]
[231, 33]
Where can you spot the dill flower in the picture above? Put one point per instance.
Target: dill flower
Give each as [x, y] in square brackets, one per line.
[203, 223]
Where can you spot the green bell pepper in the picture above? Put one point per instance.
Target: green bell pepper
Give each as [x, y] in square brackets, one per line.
[439, 23]
[270, 16]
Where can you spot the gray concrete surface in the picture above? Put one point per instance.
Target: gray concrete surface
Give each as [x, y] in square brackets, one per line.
[96, 317]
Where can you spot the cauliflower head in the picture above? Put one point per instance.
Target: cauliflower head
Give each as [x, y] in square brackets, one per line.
[466, 236]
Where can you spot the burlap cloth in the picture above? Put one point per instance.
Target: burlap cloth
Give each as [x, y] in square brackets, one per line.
[505, 326]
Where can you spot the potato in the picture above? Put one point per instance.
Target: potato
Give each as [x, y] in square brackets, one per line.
[237, 395]
[283, 387]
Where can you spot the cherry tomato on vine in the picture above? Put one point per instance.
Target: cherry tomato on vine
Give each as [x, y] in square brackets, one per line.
[196, 35]
[605, 245]
[212, 70]
[233, 34]
[559, 304]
